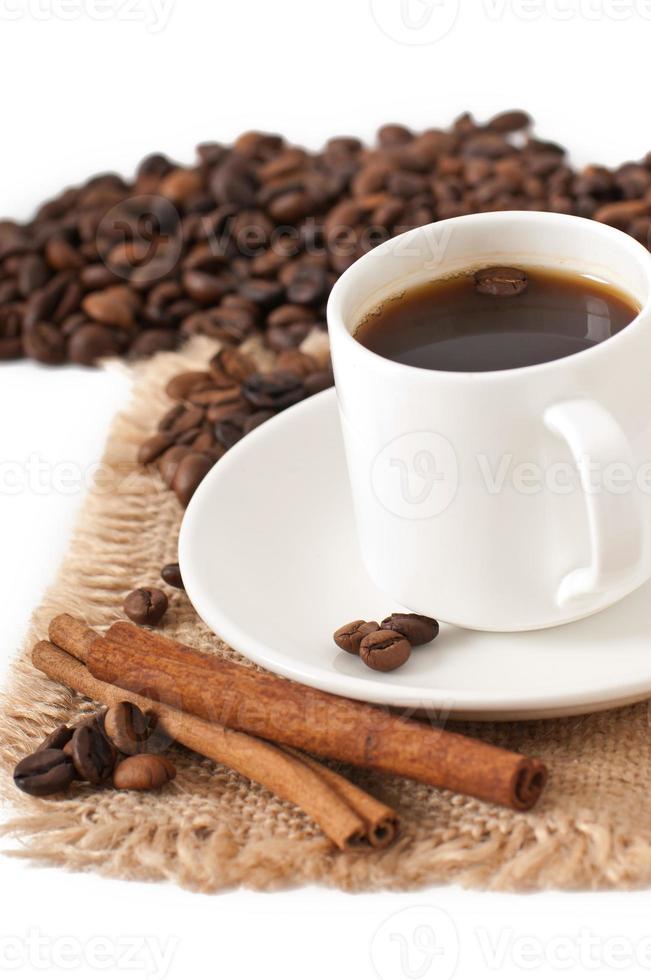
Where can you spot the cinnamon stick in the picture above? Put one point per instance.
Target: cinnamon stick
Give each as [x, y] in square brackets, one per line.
[323, 724]
[347, 815]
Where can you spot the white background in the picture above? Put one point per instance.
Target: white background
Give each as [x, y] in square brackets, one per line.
[95, 84]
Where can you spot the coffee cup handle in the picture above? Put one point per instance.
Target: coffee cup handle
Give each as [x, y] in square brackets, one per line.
[615, 522]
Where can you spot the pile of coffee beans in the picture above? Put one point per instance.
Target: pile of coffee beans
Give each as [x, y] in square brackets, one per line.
[387, 645]
[113, 743]
[215, 408]
[251, 237]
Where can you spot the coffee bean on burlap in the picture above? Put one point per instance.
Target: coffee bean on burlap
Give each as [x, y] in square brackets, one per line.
[44, 773]
[230, 430]
[181, 385]
[171, 574]
[146, 606]
[143, 772]
[92, 754]
[153, 447]
[275, 390]
[189, 474]
[234, 364]
[126, 727]
[168, 462]
[58, 739]
[256, 419]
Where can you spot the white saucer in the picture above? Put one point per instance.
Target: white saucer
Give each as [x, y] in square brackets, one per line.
[270, 561]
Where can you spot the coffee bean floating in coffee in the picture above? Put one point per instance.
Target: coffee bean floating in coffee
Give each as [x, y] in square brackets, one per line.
[496, 318]
[379, 645]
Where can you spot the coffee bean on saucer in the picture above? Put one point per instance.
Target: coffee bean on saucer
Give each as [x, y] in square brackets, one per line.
[143, 772]
[58, 739]
[146, 607]
[417, 629]
[44, 772]
[384, 650]
[500, 281]
[172, 575]
[126, 727]
[350, 636]
[93, 755]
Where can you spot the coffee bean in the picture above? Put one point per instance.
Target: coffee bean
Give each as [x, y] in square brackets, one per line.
[203, 287]
[152, 448]
[44, 343]
[230, 430]
[384, 650]
[60, 255]
[92, 754]
[58, 739]
[45, 772]
[169, 461]
[146, 606]
[296, 363]
[217, 413]
[309, 285]
[189, 474]
[234, 364]
[126, 727]
[153, 342]
[500, 281]
[179, 420]
[215, 396]
[350, 636]
[417, 629]
[181, 385]
[261, 291]
[114, 306]
[318, 381]
[275, 390]
[92, 342]
[509, 122]
[33, 273]
[234, 183]
[172, 575]
[143, 772]
[256, 419]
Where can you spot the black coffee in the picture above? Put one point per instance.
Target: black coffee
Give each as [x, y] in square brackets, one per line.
[496, 318]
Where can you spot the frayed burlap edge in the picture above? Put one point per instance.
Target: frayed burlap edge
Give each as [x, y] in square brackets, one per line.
[210, 829]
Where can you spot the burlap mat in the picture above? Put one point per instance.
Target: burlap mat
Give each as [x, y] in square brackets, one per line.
[211, 829]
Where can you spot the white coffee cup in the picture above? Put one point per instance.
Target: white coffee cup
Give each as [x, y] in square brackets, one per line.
[501, 500]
